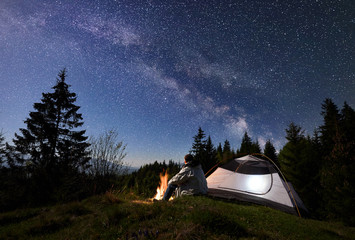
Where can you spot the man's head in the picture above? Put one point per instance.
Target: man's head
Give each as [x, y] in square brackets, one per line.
[188, 158]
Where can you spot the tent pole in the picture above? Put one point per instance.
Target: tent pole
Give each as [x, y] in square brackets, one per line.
[211, 169]
[293, 198]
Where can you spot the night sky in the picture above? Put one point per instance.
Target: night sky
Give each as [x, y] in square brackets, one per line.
[157, 70]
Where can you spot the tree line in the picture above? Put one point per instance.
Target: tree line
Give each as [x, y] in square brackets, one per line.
[322, 167]
[52, 160]
[211, 157]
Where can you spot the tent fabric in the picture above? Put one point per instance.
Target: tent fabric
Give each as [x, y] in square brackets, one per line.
[253, 166]
[253, 180]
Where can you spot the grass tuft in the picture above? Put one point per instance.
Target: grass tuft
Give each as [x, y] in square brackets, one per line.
[77, 209]
[18, 216]
[116, 216]
[49, 226]
[214, 222]
[111, 197]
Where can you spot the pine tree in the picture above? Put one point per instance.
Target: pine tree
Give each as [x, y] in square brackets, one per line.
[227, 147]
[347, 122]
[199, 145]
[49, 139]
[50, 146]
[204, 151]
[294, 133]
[2, 149]
[219, 153]
[227, 152]
[210, 156]
[255, 147]
[338, 180]
[198, 149]
[300, 164]
[270, 152]
[290, 154]
[246, 147]
[331, 118]
[309, 172]
[337, 175]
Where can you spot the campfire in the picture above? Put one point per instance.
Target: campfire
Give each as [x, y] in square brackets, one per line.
[163, 185]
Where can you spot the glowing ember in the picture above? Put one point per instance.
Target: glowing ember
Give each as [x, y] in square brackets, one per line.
[163, 186]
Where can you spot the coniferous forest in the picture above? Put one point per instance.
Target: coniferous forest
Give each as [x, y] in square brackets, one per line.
[52, 160]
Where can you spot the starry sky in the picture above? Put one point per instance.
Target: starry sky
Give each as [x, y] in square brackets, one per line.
[157, 70]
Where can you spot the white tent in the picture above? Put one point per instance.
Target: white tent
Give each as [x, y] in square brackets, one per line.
[254, 180]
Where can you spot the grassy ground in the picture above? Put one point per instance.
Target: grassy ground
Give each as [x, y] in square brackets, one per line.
[125, 216]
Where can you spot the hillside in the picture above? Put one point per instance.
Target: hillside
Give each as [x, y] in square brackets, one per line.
[125, 216]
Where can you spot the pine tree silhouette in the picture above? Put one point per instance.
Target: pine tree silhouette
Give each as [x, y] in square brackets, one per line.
[270, 151]
[51, 146]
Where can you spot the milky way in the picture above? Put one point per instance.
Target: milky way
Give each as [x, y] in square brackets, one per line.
[157, 70]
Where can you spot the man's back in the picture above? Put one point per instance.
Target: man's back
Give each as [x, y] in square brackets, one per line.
[190, 180]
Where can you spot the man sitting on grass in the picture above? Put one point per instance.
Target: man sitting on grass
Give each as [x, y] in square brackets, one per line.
[189, 181]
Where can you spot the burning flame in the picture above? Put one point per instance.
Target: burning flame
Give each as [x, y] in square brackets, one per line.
[163, 186]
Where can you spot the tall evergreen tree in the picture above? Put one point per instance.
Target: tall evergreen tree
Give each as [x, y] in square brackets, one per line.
[347, 122]
[270, 152]
[51, 144]
[210, 157]
[227, 147]
[289, 156]
[2, 149]
[294, 133]
[309, 173]
[198, 149]
[199, 144]
[338, 181]
[328, 130]
[203, 151]
[220, 153]
[337, 175]
[300, 164]
[50, 139]
[246, 147]
[255, 147]
[227, 152]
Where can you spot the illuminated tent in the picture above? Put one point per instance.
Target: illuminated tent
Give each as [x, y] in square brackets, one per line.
[255, 180]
